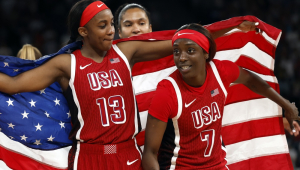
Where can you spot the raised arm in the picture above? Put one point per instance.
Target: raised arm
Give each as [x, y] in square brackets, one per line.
[137, 51]
[259, 86]
[155, 130]
[244, 26]
[37, 78]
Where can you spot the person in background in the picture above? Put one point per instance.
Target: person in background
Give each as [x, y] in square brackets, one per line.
[29, 52]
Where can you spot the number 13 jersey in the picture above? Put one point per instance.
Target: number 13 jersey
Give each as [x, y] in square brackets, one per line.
[102, 101]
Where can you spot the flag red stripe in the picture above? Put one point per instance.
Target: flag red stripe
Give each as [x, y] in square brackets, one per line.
[16, 161]
[252, 65]
[239, 93]
[272, 162]
[152, 66]
[144, 100]
[240, 39]
[252, 129]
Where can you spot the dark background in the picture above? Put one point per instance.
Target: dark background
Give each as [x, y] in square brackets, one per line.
[43, 23]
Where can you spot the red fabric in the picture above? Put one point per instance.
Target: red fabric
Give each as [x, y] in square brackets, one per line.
[90, 11]
[164, 105]
[193, 35]
[269, 162]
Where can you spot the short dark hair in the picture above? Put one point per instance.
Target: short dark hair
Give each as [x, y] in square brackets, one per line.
[123, 8]
[206, 33]
[75, 17]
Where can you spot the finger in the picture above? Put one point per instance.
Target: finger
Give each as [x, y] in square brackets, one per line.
[256, 24]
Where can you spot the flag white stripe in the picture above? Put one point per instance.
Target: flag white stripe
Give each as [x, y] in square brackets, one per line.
[268, 78]
[270, 145]
[57, 158]
[250, 110]
[249, 50]
[268, 38]
[143, 117]
[4, 166]
[148, 82]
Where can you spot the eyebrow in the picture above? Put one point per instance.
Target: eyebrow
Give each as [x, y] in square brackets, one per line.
[131, 20]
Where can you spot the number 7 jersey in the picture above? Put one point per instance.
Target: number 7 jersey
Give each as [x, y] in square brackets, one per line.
[192, 139]
[101, 99]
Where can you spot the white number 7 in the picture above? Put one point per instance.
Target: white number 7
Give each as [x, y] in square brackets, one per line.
[209, 137]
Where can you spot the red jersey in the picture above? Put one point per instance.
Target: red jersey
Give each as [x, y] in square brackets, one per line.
[102, 100]
[193, 135]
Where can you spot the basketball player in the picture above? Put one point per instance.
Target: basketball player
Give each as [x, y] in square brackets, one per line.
[185, 117]
[96, 81]
[134, 19]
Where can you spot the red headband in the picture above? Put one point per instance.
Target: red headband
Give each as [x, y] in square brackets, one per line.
[193, 35]
[90, 11]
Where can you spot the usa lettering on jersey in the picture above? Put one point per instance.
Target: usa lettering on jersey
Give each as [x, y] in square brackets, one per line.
[104, 80]
[206, 115]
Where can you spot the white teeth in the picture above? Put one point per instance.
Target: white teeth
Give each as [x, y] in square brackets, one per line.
[185, 67]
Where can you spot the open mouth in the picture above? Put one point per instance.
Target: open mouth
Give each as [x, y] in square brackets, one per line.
[185, 68]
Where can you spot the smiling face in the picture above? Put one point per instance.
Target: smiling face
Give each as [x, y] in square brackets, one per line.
[99, 31]
[190, 60]
[134, 21]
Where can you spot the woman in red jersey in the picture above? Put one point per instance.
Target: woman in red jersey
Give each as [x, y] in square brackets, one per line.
[96, 81]
[185, 117]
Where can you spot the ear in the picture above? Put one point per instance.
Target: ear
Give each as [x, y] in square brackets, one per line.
[150, 28]
[206, 56]
[82, 31]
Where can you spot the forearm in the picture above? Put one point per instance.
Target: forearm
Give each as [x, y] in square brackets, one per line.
[149, 161]
[259, 86]
[220, 33]
[7, 84]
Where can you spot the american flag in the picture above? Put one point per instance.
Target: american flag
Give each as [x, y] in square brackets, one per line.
[214, 92]
[114, 60]
[252, 125]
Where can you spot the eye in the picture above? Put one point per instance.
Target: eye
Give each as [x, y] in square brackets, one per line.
[175, 51]
[112, 23]
[142, 23]
[127, 25]
[191, 50]
[102, 26]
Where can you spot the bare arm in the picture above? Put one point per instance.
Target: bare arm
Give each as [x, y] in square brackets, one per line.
[137, 51]
[259, 86]
[244, 26]
[37, 78]
[155, 130]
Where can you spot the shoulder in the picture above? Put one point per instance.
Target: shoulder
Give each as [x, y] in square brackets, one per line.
[228, 70]
[223, 64]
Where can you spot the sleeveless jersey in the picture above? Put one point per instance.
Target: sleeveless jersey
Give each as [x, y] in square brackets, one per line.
[101, 99]
[192, 139]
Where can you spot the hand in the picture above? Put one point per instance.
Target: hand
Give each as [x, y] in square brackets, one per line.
[291, 115]
[248, 26]
[287, 127]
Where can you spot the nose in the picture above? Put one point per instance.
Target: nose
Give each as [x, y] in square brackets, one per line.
[136, 29]
[111, 30]
[183, 57]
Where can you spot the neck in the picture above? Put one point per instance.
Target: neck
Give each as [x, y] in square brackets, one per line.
[91, 52]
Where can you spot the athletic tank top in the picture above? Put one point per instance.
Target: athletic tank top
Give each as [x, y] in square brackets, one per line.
[101, 99]
[193, 139]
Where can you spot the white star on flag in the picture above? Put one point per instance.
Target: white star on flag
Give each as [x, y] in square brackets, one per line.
[37, 142]
[23, 137]
[42, 91]
[38, 127]
[47, 114]
[50, 138]
[6, 64]
[11, 125]
[56, 102]
[0, 129]
[69, 114]
[32, 103]
[69, 51]
[16, 70]
[62, 125]
[11, 137]
[10, 102]
[25, 114]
